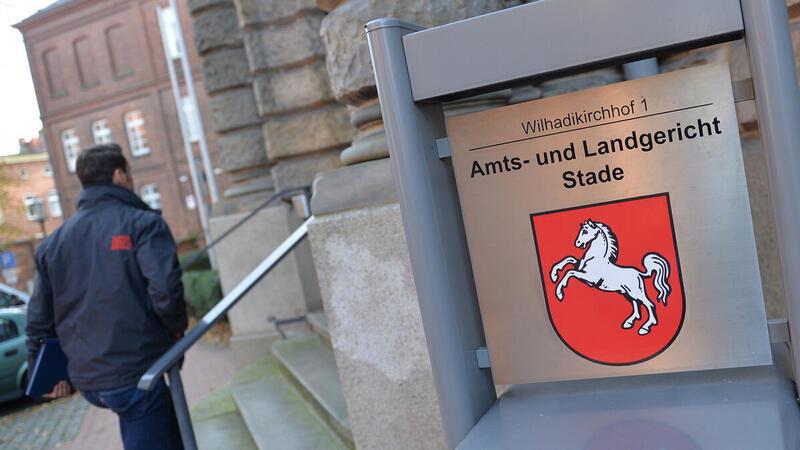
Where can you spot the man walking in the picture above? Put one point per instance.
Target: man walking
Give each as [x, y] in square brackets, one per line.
[108, 285]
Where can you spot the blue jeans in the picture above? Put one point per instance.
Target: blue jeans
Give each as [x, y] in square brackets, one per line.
[146, 418]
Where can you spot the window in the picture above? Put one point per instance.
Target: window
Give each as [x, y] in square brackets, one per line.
[8, 330]
[23, 174]
[137, 135]
[191, 119]
[34, 210]
[151, 196]
[101, 132]
[54, 204]
[170, 31]
[9, 300]
[48, 170]
[72, 146]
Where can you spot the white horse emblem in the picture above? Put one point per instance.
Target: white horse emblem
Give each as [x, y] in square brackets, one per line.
[598, 269]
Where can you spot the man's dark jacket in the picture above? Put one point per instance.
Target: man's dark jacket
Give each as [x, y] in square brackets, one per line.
[108, 285]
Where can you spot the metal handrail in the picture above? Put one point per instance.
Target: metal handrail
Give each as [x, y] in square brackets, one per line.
[280, 194]
[169, 362]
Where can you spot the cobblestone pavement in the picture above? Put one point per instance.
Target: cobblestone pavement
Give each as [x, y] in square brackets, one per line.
[73, 424]
[25, 425]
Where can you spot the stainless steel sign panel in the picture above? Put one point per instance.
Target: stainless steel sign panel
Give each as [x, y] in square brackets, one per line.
[610, 231]
[526, 41]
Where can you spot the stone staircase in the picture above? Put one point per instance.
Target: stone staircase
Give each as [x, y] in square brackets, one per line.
[291, 400]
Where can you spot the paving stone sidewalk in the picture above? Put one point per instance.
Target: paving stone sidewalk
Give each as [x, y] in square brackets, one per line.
[73, 424]
[25, 425]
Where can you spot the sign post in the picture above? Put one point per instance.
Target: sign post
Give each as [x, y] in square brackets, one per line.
[769, 45]
[435, 235]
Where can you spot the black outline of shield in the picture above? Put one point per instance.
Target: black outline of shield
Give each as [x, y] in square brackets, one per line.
[678, 263]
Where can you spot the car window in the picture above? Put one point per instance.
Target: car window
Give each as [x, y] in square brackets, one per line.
[8, 300]
[8, 329]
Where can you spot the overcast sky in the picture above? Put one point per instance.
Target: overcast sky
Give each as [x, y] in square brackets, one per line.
[19, 112]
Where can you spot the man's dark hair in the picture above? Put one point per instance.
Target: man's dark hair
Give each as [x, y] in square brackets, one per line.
[97, 164]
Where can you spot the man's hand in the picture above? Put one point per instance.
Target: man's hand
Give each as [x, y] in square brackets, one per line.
[62, 389]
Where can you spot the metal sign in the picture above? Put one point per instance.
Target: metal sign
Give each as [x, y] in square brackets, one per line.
[7, 260]
[610, 232]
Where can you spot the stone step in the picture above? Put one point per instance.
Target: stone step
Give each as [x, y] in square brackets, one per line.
[223, 431]
[278, 417]
[218, 424]
[319, 323]
[310, 365]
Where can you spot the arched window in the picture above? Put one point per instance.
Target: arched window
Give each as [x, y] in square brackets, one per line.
[137, 134]
[72, 146]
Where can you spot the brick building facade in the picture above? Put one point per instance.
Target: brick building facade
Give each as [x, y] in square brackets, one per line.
[27, 181]
[100, 76]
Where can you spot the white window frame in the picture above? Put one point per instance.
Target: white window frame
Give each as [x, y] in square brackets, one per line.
[29, 200]
[137, 133]
[48, 171]
[71, 144]
[151, 195]
[101, 133]
[54, 204]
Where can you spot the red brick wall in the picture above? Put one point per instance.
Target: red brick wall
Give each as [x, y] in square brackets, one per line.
[132, 75]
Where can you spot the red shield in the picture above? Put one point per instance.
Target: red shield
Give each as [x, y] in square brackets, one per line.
[616, 269]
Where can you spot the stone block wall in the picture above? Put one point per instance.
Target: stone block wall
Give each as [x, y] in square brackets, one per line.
[349, 66]
[234, 115]
[302, 124]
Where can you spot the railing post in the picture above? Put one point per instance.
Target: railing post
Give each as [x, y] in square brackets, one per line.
[435, 235]
[181, 408]
[769, 44]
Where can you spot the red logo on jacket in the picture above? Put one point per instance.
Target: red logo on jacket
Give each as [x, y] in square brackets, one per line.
[121, 242]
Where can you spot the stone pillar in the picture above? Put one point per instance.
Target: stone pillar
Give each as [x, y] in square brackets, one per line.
[350, 68]
[237, 118]
[359, 245]
[227, 80]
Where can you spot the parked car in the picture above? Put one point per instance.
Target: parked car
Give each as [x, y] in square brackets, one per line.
[13, 361]
[10, 297]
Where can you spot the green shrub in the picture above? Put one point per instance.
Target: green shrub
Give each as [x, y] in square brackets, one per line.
[202, 291]
[202, 263]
